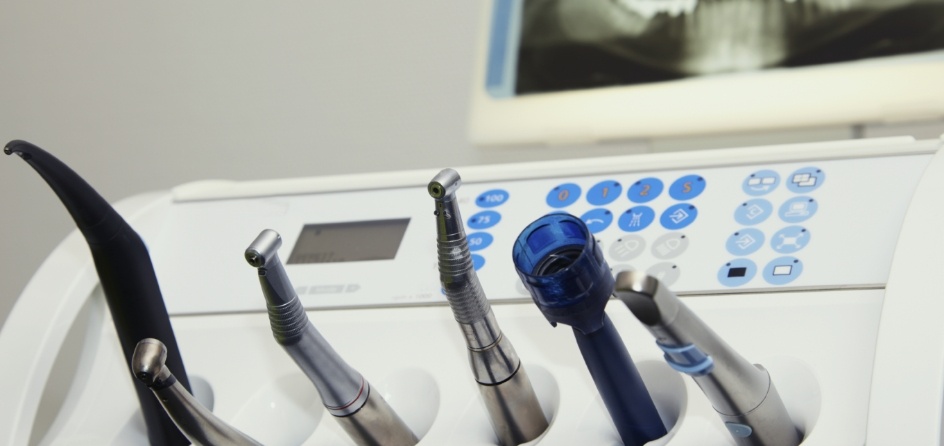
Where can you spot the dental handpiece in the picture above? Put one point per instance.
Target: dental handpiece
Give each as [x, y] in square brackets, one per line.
[742, 393]
[509, 397]
[562, 267]
[194, 420]
[362, 412]
[125, 272]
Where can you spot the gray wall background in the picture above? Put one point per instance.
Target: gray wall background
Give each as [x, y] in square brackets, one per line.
[141, 96]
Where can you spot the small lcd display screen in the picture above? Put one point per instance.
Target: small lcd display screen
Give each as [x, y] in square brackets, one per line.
[356, 241]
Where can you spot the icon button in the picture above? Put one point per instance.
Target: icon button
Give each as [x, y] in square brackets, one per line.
[479, 240]
[753, 212]
[737, 272]
[670, 245]
[492, 198]
[798, 209]
[678, 216]
[627, 247]
[761, 183]
[597, 219]
[687, 187]
[806, 180]
[790, 239]
[667, 273]
[783, 270]
[745, 242]
[604, 192]
[484, 220]
[636, 219]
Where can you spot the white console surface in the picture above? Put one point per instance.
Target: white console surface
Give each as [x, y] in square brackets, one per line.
[803, 258]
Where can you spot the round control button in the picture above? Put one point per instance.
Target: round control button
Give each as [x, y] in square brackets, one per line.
[687, 187]
[492, 198]
[744, 242]
[563, 195]
[783, 270]
[798, 209]
[484, 220]
[678, 216]
[805, 180]
[667, 272]
[737, 272]
[627, 248]
[479, 240]
[477, 262]
[604, 192]
[790, 239]
[753, 212]
[636, 219]
[761, 183]
[670, 245]
[597, 219]
[645, 190]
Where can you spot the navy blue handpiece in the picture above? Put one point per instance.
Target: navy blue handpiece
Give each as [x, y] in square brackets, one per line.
[126, 274]
[564, 270]
[742, 393]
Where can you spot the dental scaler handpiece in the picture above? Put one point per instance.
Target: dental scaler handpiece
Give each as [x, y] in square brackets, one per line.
[512, 405]
[196, 422]
[562, 267]
[361, 411]
[742, 393]
[125, 272]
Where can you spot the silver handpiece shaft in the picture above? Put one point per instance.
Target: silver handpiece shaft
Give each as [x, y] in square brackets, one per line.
[197, 423]
[742, 393]
[363, 413]
[513, 407]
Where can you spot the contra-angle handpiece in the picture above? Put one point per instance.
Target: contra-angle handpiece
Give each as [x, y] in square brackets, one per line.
[742, 393]
[125, 272]
[563, 268]
[512, 405]
[196, 422]
[361, 411]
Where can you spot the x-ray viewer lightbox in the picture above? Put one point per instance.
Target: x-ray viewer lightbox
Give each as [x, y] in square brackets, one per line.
[588, 70]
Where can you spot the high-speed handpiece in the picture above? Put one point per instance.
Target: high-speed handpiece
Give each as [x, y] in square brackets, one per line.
[196, 422]
[363, 413]
[742, 393]
[125, 272]
[562, 267]
[512, 405]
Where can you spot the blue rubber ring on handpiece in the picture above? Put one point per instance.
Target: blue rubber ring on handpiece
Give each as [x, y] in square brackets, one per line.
[688, 359]
[577, 293]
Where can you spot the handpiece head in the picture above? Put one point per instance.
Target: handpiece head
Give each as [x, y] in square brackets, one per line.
[562, 267]
[646, 298]
[264, 248]
[444, 184]
[148, 360]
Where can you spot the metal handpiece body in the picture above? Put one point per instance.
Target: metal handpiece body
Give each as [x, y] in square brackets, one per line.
[194, 420]
[363, 413]
[562, 267]
[125, 272]
[512, 404]
[742, 393]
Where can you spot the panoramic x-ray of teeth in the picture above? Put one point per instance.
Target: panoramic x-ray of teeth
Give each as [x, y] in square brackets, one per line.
[573, 44]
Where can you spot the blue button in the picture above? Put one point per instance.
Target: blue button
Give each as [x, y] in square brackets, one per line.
[484, 220]
[687, 187]
[645, 190]
[744, 242]
[604, 192]
[739, 430]
[761, 183]
[636, 219]
[790, 239]
[597, 219]
[806, 180]
[492, 198]
[479, 240]
[783, 270]
[477, 262]
[753, 212]
[798, 209]
[678, 216]
[737, 272]
[563, 195]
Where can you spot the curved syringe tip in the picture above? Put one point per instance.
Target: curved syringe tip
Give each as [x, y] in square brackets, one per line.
[742, 394]
[195, 421]
[361, 411]
[561, 265]
[125, 271]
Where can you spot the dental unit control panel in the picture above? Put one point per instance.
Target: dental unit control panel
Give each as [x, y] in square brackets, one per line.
[816, 261]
